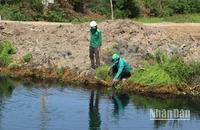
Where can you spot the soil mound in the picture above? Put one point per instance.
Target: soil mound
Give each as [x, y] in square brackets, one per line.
[67, 45]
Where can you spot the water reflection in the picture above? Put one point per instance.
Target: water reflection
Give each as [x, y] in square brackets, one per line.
[48, 106]
[144, 103]
[159, 123]
[120, 102]
[44, 111]
[94, 115]
[6, 87]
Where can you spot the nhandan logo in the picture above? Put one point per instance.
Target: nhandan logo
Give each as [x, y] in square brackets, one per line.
[174, 114]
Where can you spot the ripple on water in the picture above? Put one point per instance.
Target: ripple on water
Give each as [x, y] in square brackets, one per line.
[71, 108]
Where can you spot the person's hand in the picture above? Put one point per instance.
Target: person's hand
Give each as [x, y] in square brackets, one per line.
[109, 69]
[114, 80]
[99, 48]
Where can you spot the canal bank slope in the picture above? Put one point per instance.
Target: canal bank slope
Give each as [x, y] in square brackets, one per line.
[64, 45]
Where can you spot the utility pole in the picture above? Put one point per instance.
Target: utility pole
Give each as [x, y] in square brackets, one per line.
[45, 2]
[111, 8]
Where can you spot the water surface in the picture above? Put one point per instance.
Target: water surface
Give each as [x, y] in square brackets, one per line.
[47, 106]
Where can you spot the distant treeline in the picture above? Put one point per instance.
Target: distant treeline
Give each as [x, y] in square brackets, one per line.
[64, 10]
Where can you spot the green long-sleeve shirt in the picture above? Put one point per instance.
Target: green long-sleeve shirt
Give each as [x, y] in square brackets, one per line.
[95, 38]
[121, 65]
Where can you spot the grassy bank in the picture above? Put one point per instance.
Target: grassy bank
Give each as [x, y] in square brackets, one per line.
[187, 18]
[165, 73]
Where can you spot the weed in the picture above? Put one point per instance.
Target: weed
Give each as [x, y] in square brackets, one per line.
[167, 71]
[27, 57]
[113, 50]
[6, 50]
[73, 72]
[13, 65]
[102, 72]
[62, 70]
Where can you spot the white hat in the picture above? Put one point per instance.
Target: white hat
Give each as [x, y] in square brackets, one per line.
[93, 24]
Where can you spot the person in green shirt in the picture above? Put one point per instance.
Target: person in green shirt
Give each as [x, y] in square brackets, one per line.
[95, 44]
[120, 69]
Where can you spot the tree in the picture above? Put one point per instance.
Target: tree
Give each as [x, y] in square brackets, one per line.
[111, 8]
[78, 5]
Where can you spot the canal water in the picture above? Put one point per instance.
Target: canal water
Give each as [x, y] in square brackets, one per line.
[48, 106]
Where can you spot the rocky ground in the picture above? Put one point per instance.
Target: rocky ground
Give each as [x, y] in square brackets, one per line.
[67, 45]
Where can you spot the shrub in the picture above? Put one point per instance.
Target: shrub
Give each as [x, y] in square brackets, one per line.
[27, 57]
[167, 71]
[13, 12]
[153, 76]
[62, 70]
[20, 17]
[176, 67]
[113, 50]
[56, 14]
[102, 72]
[6, 50]
[13, 65]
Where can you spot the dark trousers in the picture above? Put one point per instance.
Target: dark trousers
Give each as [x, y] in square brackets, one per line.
[124, 74]
[93, 52]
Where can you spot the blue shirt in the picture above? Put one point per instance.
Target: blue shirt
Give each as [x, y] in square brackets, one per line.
[122, 64]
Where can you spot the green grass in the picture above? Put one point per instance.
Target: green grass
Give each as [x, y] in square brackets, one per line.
[6, 50]
[149, 20]
[196, 18]
[186, 18]
[180, 19]
[102, 73]
[27, 57]
[170, 71]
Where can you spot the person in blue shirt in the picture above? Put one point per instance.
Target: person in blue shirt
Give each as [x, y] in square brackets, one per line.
[120, 69]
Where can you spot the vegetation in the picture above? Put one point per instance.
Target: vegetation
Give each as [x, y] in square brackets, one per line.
[182, 18]
[62, 70]
[80, 10]
[27, 57]
[6, 50]
[6, 87]
[13, 65]
[167, 71]
[56, 14]
[102, 73]
[149, 20]
[113, 50]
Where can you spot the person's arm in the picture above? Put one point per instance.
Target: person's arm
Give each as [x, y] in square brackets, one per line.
[112, 66]
[100, 38]
[121, 66]
[115, 79]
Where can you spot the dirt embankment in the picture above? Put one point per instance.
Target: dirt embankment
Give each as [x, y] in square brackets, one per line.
[56, 45]
[65, 44]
